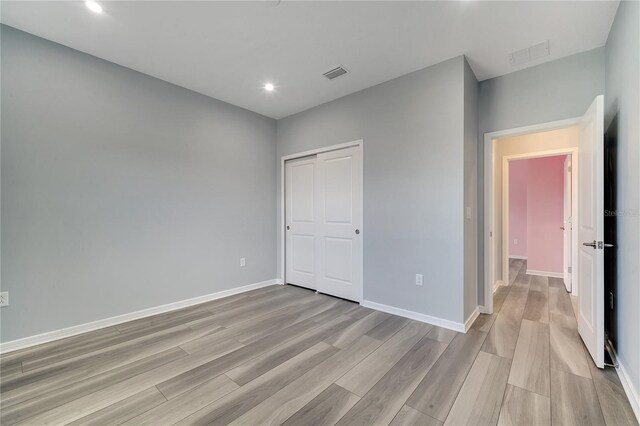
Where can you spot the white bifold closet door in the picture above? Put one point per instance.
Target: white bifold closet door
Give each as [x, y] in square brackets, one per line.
[327, 195]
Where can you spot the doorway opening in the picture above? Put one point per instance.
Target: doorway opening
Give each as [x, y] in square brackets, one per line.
[537, 204]
[584, 136]
[550, 153]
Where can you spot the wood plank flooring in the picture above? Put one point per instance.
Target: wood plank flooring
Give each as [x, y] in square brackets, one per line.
[284, 355]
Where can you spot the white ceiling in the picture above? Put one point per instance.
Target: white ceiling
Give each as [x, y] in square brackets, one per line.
[229, 50]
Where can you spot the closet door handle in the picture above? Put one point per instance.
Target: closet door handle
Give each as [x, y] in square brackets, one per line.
[288, 227]
[357, 231]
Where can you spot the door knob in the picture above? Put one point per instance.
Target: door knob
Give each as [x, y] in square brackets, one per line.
[562, 227]
[591, 244]
[357, 231]
[288, 227]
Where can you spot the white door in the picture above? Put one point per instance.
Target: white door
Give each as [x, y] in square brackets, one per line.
[300, 246]
[339, 223]
[591, 231]
[566, 227]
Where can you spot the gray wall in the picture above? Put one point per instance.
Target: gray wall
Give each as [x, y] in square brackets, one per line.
[122, 192]
[623, 98]
[412, 128]
[471, 88]
[552, 91]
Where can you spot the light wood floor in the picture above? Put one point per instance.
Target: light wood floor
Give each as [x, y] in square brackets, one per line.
[282, 354]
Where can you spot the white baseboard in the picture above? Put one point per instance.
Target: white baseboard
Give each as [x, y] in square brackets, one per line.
[440, 322]
[515, 256]
[469, 322]
[49, 336]
[545, 273]
[482, 308]
[627, 384]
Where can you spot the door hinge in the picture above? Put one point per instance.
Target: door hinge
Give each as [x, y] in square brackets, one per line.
[611, 300]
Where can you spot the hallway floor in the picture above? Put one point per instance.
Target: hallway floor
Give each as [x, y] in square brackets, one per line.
[552, 378]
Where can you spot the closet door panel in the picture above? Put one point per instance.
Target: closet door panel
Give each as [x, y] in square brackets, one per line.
[300, 220]
[338, 238]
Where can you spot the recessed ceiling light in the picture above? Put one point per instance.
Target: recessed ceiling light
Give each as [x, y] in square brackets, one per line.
[93, 6]
[269, 87]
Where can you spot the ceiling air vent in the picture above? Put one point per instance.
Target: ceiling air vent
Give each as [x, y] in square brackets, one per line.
[336, 72]
[532, 53]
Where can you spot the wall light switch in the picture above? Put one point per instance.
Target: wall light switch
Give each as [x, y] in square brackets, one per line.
[243, 261]
[418, 279]
[4, 298]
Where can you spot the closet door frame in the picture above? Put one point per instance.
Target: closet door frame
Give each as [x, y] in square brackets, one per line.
[282, 225]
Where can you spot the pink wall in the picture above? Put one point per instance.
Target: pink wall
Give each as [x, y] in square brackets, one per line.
[536, 212]
[518, 171]
[545, 214]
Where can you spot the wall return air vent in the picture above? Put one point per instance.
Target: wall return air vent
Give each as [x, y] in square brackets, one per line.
[336, 72]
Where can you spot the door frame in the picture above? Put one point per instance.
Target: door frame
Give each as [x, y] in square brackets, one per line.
[359, 144]
[490, 140]
[568, 196]
[573, 153]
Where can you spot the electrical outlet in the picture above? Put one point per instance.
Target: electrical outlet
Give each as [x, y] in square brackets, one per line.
[243, 261]
[515, 241]
[4, 298]
[418, 279]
